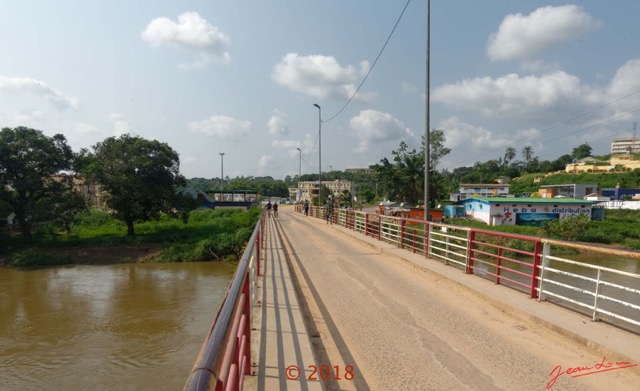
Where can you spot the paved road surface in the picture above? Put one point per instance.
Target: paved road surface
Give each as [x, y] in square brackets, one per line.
[403, 328]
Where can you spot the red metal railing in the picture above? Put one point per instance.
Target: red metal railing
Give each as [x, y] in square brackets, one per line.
[501, 257]
[225, 356]
[506, 264]
[523, 263]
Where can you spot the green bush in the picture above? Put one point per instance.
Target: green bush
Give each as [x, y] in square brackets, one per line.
[33, 258]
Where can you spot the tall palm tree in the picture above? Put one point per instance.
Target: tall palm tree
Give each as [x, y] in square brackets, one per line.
[527, 153]
[509, 154]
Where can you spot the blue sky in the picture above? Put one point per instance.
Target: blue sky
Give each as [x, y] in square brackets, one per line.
[241, 77]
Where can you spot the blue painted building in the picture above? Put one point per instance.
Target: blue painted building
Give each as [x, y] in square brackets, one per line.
[524, 211]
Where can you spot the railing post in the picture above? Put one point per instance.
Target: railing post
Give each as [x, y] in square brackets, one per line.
[595, 300]
[447, 249]
[379, 226]
[247, 327]
[259, 251]
[366, 224]
[427, 240]
[546, 251]
[535, 272]
[498, 263]
[402, 224]
[471, 237]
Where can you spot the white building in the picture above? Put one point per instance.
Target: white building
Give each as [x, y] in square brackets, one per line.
[309, 189]
[481, 190]
[625, 145]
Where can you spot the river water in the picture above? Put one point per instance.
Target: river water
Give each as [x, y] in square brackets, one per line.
[106, 327]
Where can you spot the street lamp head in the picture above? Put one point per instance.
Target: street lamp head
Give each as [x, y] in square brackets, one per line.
[299, 149]
[316, 105]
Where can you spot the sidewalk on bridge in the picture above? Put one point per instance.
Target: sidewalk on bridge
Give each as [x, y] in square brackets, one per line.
[613, 343]
[281, 348]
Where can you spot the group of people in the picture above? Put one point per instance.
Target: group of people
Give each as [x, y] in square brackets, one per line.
[305, 206]
[273, 207]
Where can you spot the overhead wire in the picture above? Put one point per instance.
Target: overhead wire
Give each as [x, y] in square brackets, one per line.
[365, 77]
[373, 64]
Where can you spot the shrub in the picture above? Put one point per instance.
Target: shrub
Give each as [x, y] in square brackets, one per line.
[33, 258]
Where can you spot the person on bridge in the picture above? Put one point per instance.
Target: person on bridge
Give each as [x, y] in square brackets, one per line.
[329, 211]
[306, 207]
[275, 209]
[268, 207]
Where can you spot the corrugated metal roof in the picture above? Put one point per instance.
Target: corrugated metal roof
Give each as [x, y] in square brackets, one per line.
[523, 200]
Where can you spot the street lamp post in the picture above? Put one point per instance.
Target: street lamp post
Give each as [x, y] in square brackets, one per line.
[427, 145]
[319, 149]
[221, 174]
[299, 174]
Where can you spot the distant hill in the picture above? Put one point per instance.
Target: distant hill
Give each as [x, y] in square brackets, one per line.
[527, 183]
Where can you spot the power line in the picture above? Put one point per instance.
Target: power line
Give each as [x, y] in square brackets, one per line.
[373, 64]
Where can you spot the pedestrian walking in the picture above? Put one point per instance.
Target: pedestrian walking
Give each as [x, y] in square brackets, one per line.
[275, 209]
[329, 211]
[306, 207]
[269, 208]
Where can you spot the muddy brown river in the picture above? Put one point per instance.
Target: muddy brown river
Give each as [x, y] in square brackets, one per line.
[106, 327]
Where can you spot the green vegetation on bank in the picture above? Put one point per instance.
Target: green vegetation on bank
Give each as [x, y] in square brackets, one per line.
[209, 235]
[619, 227]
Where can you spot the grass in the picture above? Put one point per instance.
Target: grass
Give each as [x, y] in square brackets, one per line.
[209, 235]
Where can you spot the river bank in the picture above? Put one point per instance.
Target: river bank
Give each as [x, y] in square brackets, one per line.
[129, 253]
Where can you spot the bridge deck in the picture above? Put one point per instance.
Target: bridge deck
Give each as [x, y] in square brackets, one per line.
[402, 321]
[282, 340]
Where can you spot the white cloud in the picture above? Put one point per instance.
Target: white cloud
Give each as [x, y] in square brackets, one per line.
[191, 32]
[277, 123]
[267, 164]
[461, 134]
[28, 116]
[320, 76]
[371, 126]
[515, 97]
[407, 87]
[222, 127]
[120, 126]
[526, 36]
[26, 85]
[626, 81]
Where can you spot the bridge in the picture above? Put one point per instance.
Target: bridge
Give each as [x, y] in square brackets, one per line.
[383, 303]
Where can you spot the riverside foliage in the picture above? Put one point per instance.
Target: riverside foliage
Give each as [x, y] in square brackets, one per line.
[209, 235]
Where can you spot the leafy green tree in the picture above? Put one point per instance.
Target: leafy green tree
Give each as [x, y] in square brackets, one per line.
[404, 178]
[66, 207]
[140, 177]
[29, 160]
[581, 151]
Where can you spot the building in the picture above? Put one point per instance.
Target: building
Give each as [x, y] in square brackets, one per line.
[309, 189]
[481, 190]
[568, 191]
[617, 193]
[524, 211]
[625, 145]
[359, 170]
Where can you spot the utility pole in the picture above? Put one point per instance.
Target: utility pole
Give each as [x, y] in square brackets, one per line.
[427, 145]
[221, 174]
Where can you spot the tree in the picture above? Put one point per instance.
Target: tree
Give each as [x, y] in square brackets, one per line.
[403, 179]
[28, 162]
[581, 151]
[509, 154]
[140, 177]
[527, 153]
